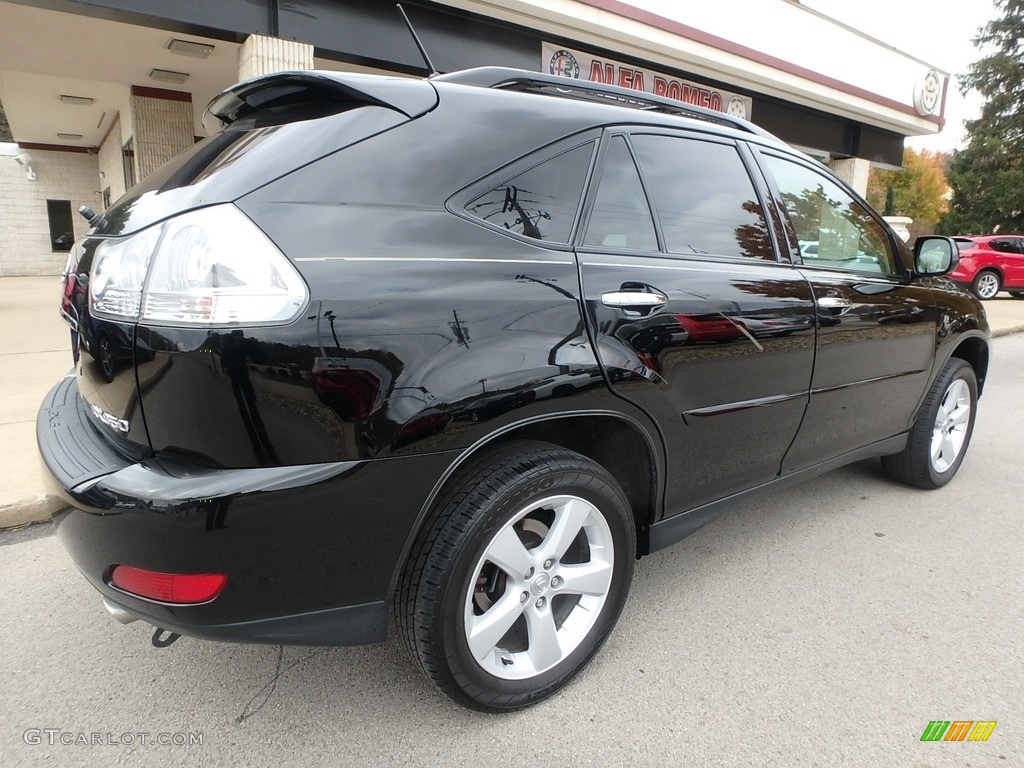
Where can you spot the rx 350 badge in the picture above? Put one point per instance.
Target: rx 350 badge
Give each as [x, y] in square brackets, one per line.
[121, 425]
[564, 64]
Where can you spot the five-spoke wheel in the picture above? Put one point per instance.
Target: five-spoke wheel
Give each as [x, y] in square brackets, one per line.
[539, 587]
[518, 576]
[952, 422]
[940, 436]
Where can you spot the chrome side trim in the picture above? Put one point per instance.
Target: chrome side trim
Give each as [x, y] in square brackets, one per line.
[743, 405]
[433, 258]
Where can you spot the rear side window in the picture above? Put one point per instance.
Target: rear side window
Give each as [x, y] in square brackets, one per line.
[703, 196]
[541, 202]
[621, 218]
[1005, 246]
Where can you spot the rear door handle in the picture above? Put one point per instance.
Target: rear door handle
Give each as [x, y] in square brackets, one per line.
[634, 300]
[834, 302]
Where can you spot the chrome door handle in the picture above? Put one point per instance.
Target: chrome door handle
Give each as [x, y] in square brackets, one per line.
[634, 300]
[834, 302]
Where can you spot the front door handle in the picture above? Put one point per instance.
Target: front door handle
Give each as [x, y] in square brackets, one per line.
[634, 300]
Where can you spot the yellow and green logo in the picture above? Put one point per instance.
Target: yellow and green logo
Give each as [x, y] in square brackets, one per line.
[958, 730]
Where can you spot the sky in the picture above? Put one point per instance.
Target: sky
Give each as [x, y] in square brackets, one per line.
[940, 34]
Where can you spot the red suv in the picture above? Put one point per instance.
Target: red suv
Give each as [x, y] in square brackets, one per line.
[990, 264]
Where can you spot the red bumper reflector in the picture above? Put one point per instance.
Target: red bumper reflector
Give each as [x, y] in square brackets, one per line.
[168, 587]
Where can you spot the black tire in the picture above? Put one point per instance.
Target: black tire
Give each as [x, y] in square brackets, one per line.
[915, 464]
[435, 605]
[106, 357]
[986, 284]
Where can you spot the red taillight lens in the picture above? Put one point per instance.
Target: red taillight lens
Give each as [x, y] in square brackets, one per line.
[168, 587]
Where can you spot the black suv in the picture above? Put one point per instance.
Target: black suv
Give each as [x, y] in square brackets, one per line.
[464, 348]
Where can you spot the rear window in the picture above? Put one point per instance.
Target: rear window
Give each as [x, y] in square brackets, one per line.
[249, 154]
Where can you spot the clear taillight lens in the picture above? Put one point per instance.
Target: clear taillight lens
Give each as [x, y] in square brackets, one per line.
[208, 267]
[118, 272]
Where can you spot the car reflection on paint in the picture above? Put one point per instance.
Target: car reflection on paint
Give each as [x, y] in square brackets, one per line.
[354, 387]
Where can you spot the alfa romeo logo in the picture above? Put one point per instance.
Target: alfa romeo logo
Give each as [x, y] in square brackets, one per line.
[564, 64]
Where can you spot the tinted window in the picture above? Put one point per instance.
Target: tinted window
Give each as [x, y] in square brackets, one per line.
[541, 202]
[1005, 246]
[621, 217]
[832, 228]
[703, 196]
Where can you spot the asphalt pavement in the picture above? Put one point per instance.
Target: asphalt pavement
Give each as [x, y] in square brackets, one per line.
[826, 625]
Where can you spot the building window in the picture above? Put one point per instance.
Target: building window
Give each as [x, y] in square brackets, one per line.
[62, 227]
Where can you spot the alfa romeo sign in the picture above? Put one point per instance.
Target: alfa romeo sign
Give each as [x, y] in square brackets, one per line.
[574, 64]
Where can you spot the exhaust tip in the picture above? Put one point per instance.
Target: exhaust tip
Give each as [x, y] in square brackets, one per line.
[119, 613]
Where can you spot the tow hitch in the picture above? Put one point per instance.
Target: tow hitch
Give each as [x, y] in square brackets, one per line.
[163, 642]
[162, 638]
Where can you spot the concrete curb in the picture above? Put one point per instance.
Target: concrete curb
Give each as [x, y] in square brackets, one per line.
[30, 509]
[1008, 331]
[40, 508]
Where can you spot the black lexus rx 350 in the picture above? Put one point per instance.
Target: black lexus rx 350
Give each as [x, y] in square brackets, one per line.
[457, 351]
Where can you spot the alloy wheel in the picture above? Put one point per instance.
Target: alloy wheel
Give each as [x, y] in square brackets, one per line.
[539, 587]
[987, 285]
[951, 423]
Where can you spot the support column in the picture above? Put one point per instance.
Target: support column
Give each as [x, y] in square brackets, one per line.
[111, 162]
[854, 171]
[261, 55]
[163, 127]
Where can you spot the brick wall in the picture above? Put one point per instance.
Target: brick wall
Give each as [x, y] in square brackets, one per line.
[163, 129]
[25, 247]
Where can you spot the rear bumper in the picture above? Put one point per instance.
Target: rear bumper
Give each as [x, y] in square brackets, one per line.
[349, 625]
[309, 551]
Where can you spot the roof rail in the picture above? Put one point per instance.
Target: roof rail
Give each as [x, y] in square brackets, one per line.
[524, 81]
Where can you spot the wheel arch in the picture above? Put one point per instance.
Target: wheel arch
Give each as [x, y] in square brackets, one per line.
[619, 443]
[974, 350]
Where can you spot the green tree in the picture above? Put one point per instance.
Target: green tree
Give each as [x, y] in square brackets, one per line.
[987, 175]
[890, 200]
[918, 190]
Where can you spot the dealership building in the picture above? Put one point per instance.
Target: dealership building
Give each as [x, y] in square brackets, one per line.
[96, 94]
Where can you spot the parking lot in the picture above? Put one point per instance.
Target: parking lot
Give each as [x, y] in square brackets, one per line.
[825, 625]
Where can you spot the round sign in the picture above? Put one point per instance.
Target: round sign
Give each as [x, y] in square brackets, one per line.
[926, 93]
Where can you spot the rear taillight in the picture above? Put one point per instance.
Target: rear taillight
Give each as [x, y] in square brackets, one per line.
[210, 267]
[181, 588]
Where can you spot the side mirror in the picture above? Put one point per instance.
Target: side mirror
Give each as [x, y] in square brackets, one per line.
[935, 255]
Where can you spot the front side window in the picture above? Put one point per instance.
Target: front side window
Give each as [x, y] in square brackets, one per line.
[704, 197]
[833, 229]
[541, 202]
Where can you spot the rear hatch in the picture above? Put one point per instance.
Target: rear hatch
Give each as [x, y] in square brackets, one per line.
[269, 127]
